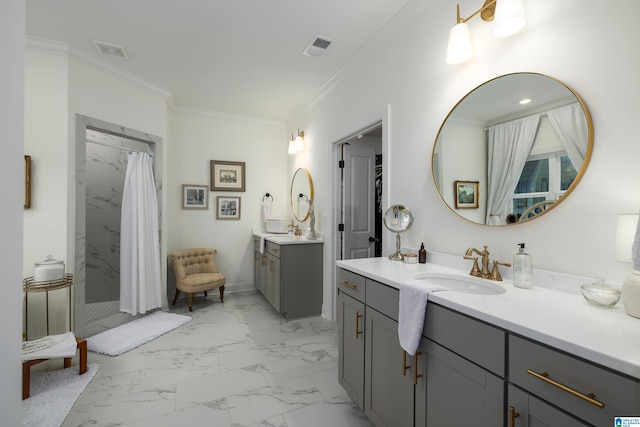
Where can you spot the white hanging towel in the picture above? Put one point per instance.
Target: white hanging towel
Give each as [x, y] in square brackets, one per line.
[140, 273]
[266, 209]
[414, 295]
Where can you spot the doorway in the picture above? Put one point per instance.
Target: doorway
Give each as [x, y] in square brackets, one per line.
[360, 185]
[101, 161]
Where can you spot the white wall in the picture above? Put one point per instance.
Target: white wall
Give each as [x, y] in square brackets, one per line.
[200, 138]
[12, 196]
[590, 48]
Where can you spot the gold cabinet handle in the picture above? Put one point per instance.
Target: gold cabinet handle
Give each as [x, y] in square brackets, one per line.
[263, 259]
[270, 265]
[588, 397]
[358, 316]
[347, 284]
[416, 375]
[404, 363]
[512, 416]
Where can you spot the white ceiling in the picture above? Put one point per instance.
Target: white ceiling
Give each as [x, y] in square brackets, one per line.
[238, 57]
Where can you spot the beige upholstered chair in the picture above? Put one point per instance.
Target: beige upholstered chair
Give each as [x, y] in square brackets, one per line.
[196, 271]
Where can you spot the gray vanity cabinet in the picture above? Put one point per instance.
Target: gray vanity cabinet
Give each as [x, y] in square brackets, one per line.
[389, 394]
[351, 334]
[259, 267]
[465, 369]
[579, 389]
[525, 410]
[294, 278]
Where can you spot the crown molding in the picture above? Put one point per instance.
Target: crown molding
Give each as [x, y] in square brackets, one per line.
[54, 47]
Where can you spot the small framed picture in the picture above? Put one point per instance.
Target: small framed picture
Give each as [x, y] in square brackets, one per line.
[228, 207]
[227, 176]
[195, 197]
[466, 193]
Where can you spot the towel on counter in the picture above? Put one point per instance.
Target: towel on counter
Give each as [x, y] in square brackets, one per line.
[414, 295]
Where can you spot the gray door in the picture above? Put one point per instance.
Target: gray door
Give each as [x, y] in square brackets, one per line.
[358, 202]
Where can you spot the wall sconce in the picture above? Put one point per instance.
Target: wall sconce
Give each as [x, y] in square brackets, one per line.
[508, 17]
[628, 232]
[296, 144]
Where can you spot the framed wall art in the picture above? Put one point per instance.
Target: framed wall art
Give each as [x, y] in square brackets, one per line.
[227, 207]
[27, 182]
[466, 194]
[227, 176]
[195, 196]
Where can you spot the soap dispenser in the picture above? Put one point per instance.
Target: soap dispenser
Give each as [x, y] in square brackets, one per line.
[522, 269]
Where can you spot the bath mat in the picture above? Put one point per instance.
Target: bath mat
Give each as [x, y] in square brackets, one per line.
[135, 333]
[53, 394]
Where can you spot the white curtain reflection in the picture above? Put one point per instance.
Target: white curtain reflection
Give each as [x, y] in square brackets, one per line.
[509, 147]
[571, 125]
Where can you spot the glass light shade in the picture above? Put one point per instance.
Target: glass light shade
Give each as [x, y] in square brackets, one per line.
[292, 147]
[299, 143]
[625, 234]
[509, 18]
[459, 47]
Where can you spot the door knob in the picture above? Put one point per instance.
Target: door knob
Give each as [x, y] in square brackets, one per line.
[372, 239]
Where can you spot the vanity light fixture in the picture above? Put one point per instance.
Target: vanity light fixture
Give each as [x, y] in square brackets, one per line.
[296, 145]
[508, 17]
[299, 141]
[292, 146]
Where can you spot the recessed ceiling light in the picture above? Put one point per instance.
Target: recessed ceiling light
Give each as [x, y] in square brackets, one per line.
[525, 101]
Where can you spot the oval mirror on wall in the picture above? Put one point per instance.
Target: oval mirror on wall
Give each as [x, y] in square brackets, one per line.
[301, 193]
[512, 149]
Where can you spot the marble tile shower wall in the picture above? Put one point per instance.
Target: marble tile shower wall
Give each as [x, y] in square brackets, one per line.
[106, 169]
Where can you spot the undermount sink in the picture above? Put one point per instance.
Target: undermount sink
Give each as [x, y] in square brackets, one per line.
[465, 284]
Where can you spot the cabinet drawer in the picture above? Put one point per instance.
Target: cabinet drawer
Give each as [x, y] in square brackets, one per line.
[470, 338]
[272, 248]
[383, 298]
[351, 284]
[619, 394]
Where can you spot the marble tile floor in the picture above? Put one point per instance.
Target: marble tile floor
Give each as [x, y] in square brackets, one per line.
[235, 364]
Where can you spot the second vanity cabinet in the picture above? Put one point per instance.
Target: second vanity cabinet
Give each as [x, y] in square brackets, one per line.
[290, 277]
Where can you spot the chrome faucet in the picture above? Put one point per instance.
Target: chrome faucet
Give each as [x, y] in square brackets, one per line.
[484, 272]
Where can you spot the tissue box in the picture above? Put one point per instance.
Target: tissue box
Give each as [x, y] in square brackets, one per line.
[277, 225]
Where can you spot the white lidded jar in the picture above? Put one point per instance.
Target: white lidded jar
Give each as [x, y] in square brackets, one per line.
[522, 269]
[48, 270]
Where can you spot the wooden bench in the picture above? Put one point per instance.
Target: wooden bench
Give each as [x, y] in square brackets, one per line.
[26, 366]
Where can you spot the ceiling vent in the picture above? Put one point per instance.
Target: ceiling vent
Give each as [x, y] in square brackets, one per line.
[317, 46]
[111, 49]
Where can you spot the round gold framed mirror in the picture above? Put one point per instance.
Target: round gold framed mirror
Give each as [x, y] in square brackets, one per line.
[301, 194]
[519, 143]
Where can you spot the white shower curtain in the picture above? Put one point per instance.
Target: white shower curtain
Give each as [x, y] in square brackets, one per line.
[140, 278]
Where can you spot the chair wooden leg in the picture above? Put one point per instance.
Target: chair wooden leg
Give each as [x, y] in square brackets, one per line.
[190, 301]
[222, 293]
[205, 294]
[176, 297]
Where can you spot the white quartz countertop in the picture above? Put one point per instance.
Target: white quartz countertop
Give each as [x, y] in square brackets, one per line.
[286, 239]
[607, 336]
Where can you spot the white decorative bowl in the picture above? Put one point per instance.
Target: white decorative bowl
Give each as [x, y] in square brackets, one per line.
[277, 225]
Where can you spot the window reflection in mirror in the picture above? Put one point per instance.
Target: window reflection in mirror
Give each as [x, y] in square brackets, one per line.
[525, 157]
